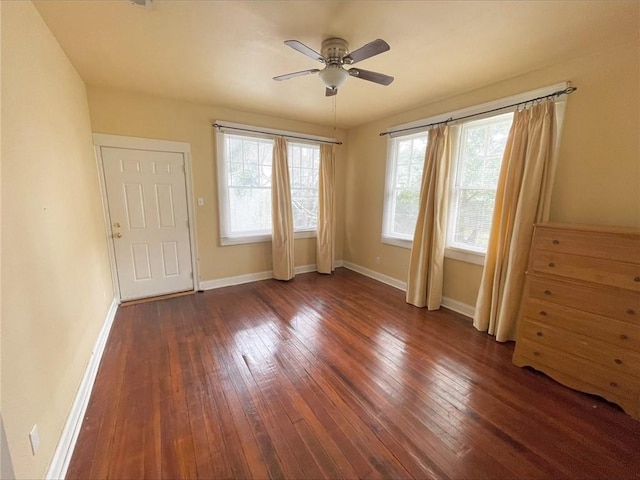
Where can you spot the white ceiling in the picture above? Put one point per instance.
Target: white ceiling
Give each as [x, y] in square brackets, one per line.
[225, 53]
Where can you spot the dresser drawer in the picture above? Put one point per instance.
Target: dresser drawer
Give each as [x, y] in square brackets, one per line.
[597, 270]
[617, 359]
[582, 370]
[608, 301]
[623, 334]
[623, 247]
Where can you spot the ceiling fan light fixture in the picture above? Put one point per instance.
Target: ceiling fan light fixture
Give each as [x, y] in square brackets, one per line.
[333, 76]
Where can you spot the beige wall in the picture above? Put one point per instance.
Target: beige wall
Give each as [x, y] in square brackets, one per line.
[138, 115]
[56, 286]
[598, 174]
[55, 277]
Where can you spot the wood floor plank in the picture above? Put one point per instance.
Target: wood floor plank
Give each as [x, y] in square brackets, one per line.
[332, 377]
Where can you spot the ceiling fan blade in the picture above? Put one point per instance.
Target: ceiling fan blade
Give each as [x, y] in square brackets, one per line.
[330, 92]
[369, 50]
[302, 48]
[375, 77]
[296, 74]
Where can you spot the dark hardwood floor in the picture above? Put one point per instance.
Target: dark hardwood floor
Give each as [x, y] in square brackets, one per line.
[332, 377]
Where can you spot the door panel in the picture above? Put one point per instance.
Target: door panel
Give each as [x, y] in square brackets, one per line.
[147, 199]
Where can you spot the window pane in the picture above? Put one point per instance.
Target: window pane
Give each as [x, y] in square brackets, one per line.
[481, 153]
[304, 165]
[405, 211]
[473, 222]
[250, 210]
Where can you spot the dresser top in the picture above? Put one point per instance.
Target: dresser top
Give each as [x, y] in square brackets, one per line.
[631, 231]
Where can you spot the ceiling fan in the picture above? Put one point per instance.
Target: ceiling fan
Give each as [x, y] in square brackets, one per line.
[335, 54]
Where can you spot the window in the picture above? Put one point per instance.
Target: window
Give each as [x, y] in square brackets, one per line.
[304, 166]
[404, 177]
[477, 152]
[248, 182]
[477, 160]
[244, 181]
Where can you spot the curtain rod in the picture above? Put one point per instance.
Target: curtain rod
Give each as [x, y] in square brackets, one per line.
[566, 91]
[218, 126]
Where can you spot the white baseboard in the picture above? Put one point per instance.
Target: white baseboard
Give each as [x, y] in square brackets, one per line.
[305, 269]
[450, 303]
[254, 277]
[394, 282]
[459, 307]
[62, 455]
[237, 280]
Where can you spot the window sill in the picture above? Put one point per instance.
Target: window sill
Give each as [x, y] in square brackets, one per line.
[398, 242]
[464, 255]
[449, 252]
[305, 234]
[226, 241]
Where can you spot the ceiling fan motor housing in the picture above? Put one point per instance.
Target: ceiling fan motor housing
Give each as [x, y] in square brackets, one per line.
[334, 50]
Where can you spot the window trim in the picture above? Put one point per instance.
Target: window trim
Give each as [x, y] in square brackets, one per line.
[418, 126]
[224, 236]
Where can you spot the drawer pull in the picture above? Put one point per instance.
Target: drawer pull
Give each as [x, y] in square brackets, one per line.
[618, 361]
[613, 384]
[543, 313]
[636, 279]
[548, 292]
[551, 264]
[631, 312]
[623, 337]
[540, 334]
[556, 242]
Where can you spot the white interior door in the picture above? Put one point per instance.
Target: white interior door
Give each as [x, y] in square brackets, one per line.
[147, 201]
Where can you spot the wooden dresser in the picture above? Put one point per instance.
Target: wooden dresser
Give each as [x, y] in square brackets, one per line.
[580, 318]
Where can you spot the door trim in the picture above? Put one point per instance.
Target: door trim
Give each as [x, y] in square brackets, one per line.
[149, 144]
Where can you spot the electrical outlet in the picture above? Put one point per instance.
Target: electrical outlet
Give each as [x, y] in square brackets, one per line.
[200, 201]
[34, 438]
[378, 260]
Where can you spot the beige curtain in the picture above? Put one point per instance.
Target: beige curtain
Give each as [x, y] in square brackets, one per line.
[325, 245]
[424, 284]
[281, 213]
[522, 198]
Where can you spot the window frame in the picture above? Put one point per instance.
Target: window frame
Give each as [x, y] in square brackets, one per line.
[453, 249]
[226, 238]
[479, 112]
[388, 236]
[305, 232]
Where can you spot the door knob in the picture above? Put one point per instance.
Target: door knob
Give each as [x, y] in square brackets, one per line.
[117, 235]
